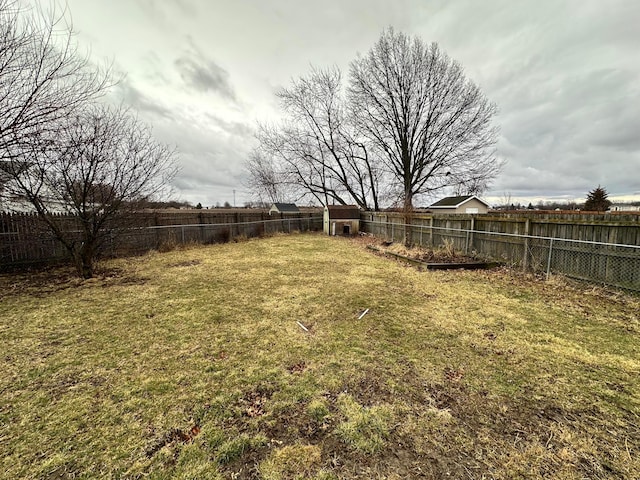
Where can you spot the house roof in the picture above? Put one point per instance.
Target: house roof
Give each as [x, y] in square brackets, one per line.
[455, 202]
[343, 211]
[286, 207]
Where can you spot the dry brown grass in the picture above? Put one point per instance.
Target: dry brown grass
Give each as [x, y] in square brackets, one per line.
[190, 364]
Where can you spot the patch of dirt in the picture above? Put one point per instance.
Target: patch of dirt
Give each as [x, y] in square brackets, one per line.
[490, 336]
[172, 437]
[253, 403]
[40, 283]
[297, 367]
[453, 375]
[369, 389]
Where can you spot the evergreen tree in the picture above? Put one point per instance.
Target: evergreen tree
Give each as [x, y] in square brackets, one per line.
[597, 200]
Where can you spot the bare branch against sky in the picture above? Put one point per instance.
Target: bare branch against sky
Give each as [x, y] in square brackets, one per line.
[565, 77]
[431, 126]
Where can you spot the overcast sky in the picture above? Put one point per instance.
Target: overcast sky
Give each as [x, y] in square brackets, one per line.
[564, 74]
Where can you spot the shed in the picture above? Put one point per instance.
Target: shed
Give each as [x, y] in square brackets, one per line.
[462, 204]
[284, 208]
[341, 219]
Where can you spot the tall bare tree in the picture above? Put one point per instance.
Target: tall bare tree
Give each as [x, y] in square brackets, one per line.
[410, 124]
[317, 150]
[103, 163]
[429, 123]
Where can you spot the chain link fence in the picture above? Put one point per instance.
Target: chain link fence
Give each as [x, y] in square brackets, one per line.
[138, 240]
[612, 264]
[33, 245]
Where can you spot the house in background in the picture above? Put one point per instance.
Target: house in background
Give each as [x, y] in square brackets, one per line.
[624, 208]
[341, 220]
[463, 204]
[284, 208]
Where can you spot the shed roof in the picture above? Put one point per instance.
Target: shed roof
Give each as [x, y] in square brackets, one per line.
[343, 211]
[454, 202]
[286, 207]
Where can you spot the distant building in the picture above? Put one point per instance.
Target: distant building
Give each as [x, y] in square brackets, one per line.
[463, 204]
[624, 208]
[15, 204]
[284, 208]
[341, 220]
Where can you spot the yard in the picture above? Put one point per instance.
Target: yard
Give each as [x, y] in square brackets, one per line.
[192, 364]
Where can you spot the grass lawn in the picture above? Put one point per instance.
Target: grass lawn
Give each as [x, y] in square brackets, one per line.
[191, 364]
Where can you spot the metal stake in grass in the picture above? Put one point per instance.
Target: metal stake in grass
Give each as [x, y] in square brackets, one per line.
[363, 314]
[302, 326]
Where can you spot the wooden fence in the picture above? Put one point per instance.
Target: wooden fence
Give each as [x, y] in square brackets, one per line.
[598, 248]
[25, 241]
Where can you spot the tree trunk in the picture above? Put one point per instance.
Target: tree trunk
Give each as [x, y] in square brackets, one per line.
[84, 261]
[408, 218]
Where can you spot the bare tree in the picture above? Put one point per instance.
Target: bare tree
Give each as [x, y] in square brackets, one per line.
[43, 78]
[411, 124]
[263, 179]
[59, 150]
[430, 124]
[317, 150]
[103, 163]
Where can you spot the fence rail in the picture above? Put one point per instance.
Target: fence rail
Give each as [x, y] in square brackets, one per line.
[605, 263]
[28, 243]
[594, 248]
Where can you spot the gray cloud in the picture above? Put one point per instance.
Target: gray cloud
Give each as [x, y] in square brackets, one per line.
[203, 74]
[152, 108]
[163, 12]
[565, 76]
[238, 129]
[211, 157]
[567, 88]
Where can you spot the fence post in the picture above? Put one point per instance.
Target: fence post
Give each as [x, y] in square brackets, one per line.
[431, 232]
[182, 228]
[525, 256]
[421, 229]
[549, 259]
[471, 230]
